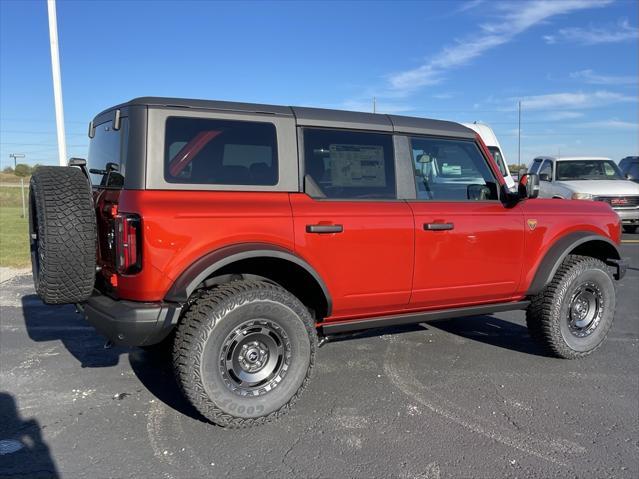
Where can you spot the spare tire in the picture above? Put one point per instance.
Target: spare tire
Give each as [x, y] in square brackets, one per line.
[62, 232]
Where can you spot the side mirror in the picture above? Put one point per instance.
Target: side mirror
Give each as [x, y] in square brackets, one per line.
[529, 186]
[544, 177]
[478, 192]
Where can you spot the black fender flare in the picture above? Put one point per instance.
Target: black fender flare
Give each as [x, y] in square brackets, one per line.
[208, 264]
[562, 248]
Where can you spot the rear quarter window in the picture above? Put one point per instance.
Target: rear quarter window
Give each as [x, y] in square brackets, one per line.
[220, 152]
[108, 146]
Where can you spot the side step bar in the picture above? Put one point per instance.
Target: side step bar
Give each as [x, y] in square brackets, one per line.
[410, 318]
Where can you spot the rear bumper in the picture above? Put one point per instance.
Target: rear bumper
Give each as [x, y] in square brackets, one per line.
[628, 216]
[131, 323]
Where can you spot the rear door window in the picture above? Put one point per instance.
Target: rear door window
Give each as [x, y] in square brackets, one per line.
[220, 152]
[350, 164]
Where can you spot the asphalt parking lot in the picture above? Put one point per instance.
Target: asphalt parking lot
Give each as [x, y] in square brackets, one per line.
[470, 397]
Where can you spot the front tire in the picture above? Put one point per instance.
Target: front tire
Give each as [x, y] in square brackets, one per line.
[571, 317]
[244, 352]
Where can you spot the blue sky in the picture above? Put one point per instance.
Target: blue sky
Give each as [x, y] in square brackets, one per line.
[572, 63]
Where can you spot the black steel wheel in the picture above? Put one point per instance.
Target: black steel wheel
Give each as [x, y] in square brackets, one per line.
[573, 314]
[244, 352]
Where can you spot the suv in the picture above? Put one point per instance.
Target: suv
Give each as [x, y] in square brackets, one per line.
[629, 166]
[242, 235]
[589, 178]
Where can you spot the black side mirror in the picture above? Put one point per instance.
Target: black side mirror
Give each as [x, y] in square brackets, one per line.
[478, 192]
[544, 177]
[529, 186]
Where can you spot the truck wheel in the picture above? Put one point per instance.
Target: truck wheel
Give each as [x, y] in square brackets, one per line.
[631, 229]
[573, 314]
[62, 234]
[244, 352]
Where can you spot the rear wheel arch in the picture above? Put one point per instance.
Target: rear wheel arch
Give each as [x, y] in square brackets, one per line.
[255, 261]
[578, 243]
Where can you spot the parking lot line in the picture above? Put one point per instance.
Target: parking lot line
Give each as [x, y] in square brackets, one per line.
[630, 241]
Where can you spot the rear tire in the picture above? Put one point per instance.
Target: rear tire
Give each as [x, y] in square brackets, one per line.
[571, 317]
[631, 229]
[244, 352]
[62, 234]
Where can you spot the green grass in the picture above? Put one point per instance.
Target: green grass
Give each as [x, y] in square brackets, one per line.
[14, 236]
[11, 178]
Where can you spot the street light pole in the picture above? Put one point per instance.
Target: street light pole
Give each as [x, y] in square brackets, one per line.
[57, 82]
[519, 137]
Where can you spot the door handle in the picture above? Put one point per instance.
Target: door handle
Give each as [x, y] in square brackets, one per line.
[323, 229]
[438, 226]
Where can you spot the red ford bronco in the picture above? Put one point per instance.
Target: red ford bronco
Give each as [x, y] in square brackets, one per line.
[238, 234]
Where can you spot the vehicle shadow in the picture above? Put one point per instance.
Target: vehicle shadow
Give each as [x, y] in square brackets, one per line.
[375, 332]
[155, 372]
[24, 452]
[491, 330]
[61, 323]
[486, 329]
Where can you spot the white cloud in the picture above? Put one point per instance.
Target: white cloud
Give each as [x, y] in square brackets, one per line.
[572, 100]
[511, 20]
[612, 124]
[563, 115]
[620, 32]
[469, 5]
[589, 76]
[444, 96]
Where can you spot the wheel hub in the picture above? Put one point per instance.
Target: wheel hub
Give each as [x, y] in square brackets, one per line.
[255, 357]
[586, 307]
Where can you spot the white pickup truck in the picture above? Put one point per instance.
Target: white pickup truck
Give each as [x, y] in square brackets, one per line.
[490, 139]
[589, 178]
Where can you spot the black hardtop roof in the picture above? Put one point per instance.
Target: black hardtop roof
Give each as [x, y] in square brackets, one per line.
[306, 116]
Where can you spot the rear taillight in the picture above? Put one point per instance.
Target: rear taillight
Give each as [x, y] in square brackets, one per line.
[128, 242]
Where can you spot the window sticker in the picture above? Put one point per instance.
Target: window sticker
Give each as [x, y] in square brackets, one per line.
[357, 165]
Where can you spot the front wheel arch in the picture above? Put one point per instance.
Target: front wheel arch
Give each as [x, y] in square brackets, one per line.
[579, 243]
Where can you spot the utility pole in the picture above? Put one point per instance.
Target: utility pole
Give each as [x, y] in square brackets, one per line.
[15, 157]
[57, 82]
[374, 105]
[519, 137]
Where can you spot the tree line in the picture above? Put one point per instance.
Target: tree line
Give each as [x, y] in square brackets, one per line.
[21, 170]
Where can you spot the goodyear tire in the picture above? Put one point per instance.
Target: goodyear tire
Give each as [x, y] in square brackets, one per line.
[244, 352]
[62, 234]
[571, 317]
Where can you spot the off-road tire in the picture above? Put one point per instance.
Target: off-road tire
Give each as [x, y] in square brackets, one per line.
[200, 340]
[547, 316]
[630, 229]
[62, 234]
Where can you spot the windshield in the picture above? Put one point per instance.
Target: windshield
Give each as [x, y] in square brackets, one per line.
[499, 159]
[588, 170]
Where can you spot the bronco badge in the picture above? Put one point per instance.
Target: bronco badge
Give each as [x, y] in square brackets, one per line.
[532, 224]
